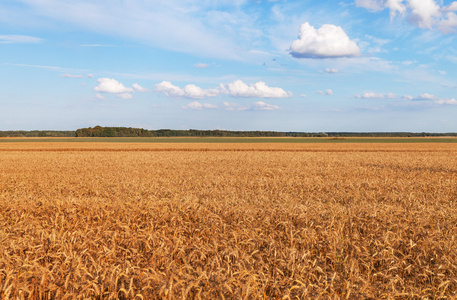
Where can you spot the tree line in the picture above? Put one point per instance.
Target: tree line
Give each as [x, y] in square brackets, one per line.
[99, 131]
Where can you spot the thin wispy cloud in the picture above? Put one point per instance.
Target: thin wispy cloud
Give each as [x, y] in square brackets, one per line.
[22, 39]
[53, 68]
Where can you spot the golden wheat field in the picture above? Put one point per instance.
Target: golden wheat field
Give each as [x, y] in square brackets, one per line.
[228, 221]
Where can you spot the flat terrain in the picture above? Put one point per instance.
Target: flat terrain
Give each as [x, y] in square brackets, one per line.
[237, 140]
[228, 220]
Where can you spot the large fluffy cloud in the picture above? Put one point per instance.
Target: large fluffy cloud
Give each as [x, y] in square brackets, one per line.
[329, 41]
[425, 14]
[235, 89]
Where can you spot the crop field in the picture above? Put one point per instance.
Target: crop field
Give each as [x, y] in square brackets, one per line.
[228, 220]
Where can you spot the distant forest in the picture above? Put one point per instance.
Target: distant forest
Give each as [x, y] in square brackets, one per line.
[99, 131]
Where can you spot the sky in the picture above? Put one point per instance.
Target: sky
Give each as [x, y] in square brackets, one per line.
[282, 65]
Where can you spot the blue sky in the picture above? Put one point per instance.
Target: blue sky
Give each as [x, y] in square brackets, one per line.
[284, 65]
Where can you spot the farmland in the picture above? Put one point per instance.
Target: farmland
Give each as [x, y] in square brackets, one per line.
[228, 220]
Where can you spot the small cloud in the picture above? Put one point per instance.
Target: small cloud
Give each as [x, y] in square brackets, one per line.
[234, 106]
[327, 92]
[432, 98]
[260, 105]
[407, 97]
[189, 91]
[371, 95]
[108, 85]
[139, 88]
[201, 65]
[331, 71]
[66, 75]
[100, 97]
[259, 89]
[329, 41]
[199, 106]
[90, 76]
[426, 96]
[16, 39]
[125, 96]
[446, 101]
[409, 62]
[303, 95]
[442, 72]
[371, 5]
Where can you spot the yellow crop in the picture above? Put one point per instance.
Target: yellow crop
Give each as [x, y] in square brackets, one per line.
[228, 221]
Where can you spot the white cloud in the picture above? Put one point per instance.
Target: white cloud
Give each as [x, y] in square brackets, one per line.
[371, 5]
[260, 105]
[327, 92]
[450, 7]
[257, 90]
[234, 106]
[170, 90]
[329, 41]
[331, 70]
[449, 23]
[14, 39]
[235, 89]
[125, 96]
[425, 14]
[67, 75]
[427, 96]
[446, 101]
[395, 6]
[189, 91]
[199, 106]
[108, 85]
[432, 98]
[139, 88]
[201, 65]
[371, 95]
[90, 76]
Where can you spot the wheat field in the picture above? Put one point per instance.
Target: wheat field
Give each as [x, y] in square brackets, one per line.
[228, 221]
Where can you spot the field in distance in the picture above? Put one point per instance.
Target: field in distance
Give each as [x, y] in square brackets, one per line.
[238, 140]
[228, 220]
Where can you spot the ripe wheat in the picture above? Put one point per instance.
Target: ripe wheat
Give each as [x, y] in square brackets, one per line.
[228, 221]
